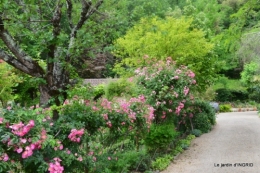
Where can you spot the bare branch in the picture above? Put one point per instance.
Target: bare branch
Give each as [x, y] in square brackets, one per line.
[69, 12]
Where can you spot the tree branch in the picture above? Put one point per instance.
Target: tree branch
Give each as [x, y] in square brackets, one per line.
[52, 47]
[24, 59]
[69, 12]
[17, 64]
[87, 11]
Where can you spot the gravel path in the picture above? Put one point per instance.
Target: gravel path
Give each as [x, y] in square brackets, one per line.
[234, 141]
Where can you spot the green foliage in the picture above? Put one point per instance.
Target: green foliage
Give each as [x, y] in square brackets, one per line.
[202, 123]
[160, 136]
[196, 132]
[250, 74]
[99, 91]
[159, 38]
[232, 84]
[225, 108]
[119, 88]
[80, 91]
[26, 92]
[227, 95]
[162, 163]
[183, 144]
[123, 162]
[8, 80]
[203, 116]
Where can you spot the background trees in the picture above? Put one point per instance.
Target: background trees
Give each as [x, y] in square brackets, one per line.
[159, 38]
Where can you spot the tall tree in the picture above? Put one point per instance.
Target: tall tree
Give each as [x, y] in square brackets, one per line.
[160, 38]
[33, 30]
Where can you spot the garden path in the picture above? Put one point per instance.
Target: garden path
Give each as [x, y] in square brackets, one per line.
[234, 139]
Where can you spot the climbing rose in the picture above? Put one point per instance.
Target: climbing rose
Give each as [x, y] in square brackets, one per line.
[75, 135]
[55, 167]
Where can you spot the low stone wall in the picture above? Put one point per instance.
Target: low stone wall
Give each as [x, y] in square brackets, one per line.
[243, 109]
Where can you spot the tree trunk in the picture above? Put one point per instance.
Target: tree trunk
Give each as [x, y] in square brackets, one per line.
[44, 95]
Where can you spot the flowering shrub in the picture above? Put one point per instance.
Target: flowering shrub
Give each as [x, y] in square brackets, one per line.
[168, 89]
[77, 141]
[96, 136]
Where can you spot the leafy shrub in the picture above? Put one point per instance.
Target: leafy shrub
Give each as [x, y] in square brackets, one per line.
[254, 93]
[228, 95]
[196, 132]
[203, 115]
[162, 163]
[202, 122]
[225, 108]
[8, 79]
[99, 91]
[160, 136]
[119, 88]
[123, 162]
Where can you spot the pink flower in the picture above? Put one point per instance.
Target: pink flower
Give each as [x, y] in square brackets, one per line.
[55, 167]
[108, 158]
[23, 140]
[66, 102]
[31, 123]
[4, 157]
[142, 98]
[1, 120]
[9, 108]
[109, 124]
[176, 77]
[19, 150]
[90, 153]
[186, 90]
[191, 74]
[75, 135]
[80, 159]
[105, 116]
[94, 159]
[27, 153]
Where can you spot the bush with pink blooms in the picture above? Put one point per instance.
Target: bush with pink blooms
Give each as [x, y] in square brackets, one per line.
[115, 135]
[168, 89]
[86, 132]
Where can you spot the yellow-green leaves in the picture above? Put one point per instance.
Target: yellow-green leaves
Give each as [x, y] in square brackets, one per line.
[160, 38]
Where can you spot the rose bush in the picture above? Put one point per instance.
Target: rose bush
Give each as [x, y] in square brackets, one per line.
[96, 136]
[168, 89]
[85, 132]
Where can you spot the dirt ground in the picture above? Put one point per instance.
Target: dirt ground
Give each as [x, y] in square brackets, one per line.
[233, 146]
